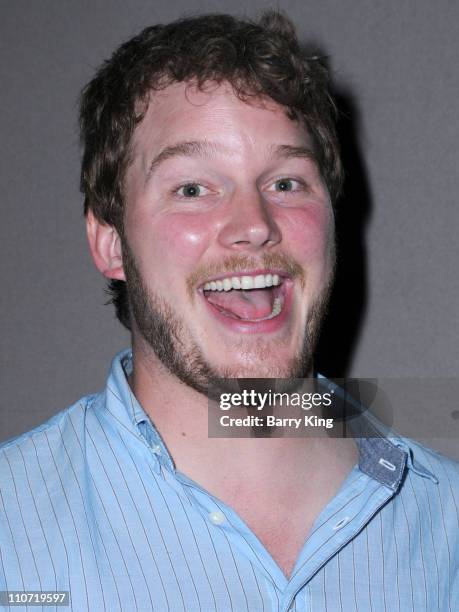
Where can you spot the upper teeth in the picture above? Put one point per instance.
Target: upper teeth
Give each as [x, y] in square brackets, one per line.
[243, 282]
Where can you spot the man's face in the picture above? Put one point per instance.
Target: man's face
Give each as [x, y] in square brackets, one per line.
[229, 237]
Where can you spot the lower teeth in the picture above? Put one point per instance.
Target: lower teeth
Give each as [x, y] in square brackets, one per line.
[277, 307]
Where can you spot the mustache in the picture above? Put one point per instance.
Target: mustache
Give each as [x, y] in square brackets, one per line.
[240, 263]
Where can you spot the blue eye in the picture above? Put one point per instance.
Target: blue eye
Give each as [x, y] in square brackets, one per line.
[284, 185]
[287, 184]
[191, 190]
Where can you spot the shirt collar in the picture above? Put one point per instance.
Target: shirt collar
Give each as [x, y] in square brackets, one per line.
[125, 408]
[383, 455]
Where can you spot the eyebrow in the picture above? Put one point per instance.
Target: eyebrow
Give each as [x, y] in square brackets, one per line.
[205, 148]
[193, 148]
[289, 151]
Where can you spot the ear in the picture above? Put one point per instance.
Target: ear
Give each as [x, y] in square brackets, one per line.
[105, 247]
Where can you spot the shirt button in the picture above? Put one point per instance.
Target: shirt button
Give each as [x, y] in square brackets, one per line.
[156, 449]
[342, 522]
[217, 517]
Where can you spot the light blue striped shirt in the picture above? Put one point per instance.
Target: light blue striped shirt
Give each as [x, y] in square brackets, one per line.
[90, 502]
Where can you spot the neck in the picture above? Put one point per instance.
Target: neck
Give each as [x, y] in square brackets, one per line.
[180, 414]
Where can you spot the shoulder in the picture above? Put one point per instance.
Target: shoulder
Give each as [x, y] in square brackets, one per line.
[432, 485]
[445, 469]
[47, 443]
[40, 474]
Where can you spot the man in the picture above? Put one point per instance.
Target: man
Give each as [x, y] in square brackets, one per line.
[210, 170]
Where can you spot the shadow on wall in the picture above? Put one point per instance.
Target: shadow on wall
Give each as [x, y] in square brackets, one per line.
[343, 324]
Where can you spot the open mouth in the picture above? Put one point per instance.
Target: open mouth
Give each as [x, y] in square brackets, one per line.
[247, 298]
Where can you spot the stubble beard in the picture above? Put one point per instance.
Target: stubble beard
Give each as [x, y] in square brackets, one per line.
[164, 332]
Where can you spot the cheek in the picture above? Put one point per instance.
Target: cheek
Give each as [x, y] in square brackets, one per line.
[182, 238]
[170, 243]
[310, 233]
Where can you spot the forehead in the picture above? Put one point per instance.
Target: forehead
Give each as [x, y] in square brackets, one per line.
[182, 112]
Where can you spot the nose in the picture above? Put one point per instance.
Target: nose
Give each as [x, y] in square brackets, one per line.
[249, 224]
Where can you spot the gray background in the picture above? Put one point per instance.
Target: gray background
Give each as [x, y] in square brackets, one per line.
[395, 66]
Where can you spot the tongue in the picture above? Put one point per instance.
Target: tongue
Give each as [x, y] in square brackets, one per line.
[252, 304]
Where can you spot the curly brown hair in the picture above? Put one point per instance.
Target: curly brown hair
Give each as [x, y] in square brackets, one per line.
[258, 59]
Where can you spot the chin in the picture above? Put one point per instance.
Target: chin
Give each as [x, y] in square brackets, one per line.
[261, 357]
[265, 372]
[263, 367]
